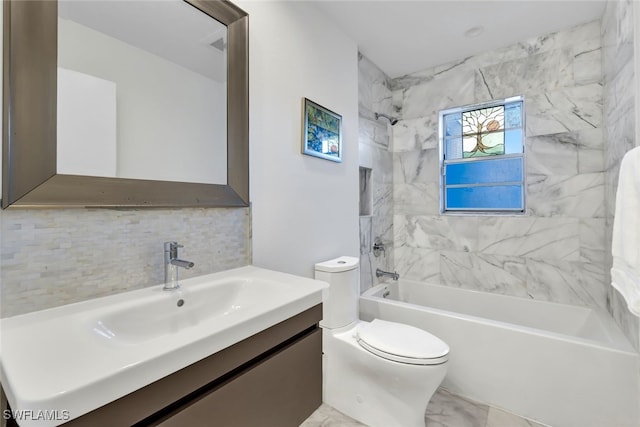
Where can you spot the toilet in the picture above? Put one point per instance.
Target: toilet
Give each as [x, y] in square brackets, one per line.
[379, 373]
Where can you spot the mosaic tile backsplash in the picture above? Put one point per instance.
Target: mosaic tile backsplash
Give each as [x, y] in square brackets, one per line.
[56, 257]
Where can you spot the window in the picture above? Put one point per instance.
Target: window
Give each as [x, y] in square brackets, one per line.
[482, 157]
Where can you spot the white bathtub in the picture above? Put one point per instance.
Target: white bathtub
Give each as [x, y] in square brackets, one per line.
[561, 365]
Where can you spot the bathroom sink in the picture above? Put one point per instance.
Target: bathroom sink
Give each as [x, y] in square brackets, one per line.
[75, 358]
[170, 312]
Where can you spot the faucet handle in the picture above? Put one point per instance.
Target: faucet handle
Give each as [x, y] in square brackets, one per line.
[378, 247]
[171, 249]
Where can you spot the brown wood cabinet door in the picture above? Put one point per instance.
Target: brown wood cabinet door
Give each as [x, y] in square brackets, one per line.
[280, 391]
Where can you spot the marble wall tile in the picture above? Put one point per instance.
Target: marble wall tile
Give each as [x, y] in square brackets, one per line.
[590, 160]
[554, 252]
[552, 154]
[559, 281]
[367, 269]
[536, 45]
[442, 92]
[438, 232]
[382, 224]
[530, 237]
[592, 241]
[617, 37]
[487, 273]
[365, 193]
[416, 199]
[382, 199]
[373, 132]
[540, 72]
[587, 61]
[578, 196]
[417, 264]
[618, 45]
[566, 282]
[620, 138]
[366, 239]
[416, 134]
[373, 89]
[627, 321]
[416, 167]
[374, 150]
[565, 109]
[379, 161]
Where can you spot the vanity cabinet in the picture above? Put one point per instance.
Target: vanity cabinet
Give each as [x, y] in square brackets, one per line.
[273, 378]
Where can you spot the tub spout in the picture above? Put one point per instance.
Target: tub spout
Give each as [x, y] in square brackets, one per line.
[380, 273]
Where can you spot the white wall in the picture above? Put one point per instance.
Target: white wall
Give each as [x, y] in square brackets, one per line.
[86, 133]
[305, 209]
[170, 120]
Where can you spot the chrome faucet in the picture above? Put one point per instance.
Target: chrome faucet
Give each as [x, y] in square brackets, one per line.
[380, 273]
[171, 264]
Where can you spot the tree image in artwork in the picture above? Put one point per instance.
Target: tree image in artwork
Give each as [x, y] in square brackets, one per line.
[323, 132]
[483, 132]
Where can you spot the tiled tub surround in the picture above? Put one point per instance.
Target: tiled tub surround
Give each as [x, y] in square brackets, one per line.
[556, 252]
[620, 118]
[52, 257]
[374, 96]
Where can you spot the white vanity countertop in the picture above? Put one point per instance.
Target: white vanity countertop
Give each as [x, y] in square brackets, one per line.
[66, 361]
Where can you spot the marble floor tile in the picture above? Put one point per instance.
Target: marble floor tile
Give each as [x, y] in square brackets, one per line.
[326, 416]
[499, 418]
[448, 410]
[445, 410]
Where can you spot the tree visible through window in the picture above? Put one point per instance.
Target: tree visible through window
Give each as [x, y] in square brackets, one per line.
[482, 154]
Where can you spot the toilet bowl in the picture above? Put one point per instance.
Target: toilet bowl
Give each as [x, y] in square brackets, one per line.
[379, 373]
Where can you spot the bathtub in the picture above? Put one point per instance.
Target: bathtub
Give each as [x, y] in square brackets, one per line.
[561, 365]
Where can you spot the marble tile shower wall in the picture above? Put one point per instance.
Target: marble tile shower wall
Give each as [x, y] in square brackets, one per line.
[556, 252]
[374, 96]
[56, 257]
[620, 113]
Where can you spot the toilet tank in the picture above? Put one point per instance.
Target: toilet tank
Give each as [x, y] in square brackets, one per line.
[340, 300]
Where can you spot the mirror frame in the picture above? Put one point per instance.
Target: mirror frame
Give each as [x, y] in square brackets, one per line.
[29, 177]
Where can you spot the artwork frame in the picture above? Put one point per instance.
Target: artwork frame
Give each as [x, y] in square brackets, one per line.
[321, 132]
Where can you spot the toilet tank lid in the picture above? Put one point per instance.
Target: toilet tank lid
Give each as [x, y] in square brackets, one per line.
[343, 263]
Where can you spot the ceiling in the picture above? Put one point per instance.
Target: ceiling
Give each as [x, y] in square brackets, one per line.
[172, 30]
[402, 37]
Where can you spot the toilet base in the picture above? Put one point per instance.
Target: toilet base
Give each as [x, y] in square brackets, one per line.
[375, 391]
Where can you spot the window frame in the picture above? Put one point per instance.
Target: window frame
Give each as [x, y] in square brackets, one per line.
[442, 162]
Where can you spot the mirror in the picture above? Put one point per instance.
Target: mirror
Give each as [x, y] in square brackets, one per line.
[90, 123]
[141, 91]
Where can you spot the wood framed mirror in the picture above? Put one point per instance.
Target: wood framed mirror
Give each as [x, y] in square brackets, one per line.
[30, 174]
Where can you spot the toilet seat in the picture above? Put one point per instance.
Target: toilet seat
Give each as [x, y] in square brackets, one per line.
[402, 343]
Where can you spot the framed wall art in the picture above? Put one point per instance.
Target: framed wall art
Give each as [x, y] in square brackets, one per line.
[322, 132]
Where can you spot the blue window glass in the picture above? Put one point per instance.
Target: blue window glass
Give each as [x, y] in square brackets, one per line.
[513, 115]
[513, 141]
[484, 172]
[453, 148]
[503, 197]
[453, 125]
[482, 160]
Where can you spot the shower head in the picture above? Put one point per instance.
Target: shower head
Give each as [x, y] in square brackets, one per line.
[392, 120]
